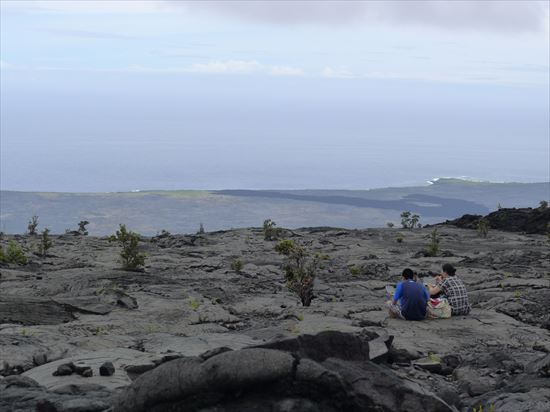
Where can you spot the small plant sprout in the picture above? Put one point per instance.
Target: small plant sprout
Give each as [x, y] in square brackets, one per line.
[13, 254]
[194, 304]
[483, 227]
[45, 243]
[32, 225]
[433, 357]
[355, 271]
[237, 265]
[433, 247]
[128, 240]
[151, 328]
[300, 269]
[480, 409]
[270, 231]
[98, 331]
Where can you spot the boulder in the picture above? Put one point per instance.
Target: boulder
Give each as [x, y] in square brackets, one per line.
[64, 369]
[330, 371]
[107, 369]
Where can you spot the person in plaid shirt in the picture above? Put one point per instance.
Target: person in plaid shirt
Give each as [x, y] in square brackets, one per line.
[453, 288]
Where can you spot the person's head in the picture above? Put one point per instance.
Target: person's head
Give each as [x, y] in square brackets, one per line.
[449, 269]
[407, 274]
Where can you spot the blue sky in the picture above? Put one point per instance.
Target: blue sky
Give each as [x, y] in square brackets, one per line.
[102, 95]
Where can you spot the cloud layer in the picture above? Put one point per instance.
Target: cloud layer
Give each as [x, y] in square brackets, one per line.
[489, 15]
[478, 15]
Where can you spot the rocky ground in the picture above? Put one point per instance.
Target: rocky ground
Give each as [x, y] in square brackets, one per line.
[176, 332]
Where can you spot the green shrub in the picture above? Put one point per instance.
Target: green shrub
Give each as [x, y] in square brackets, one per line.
[13, 254]
[433, 247]
[82, 227]
[410, 220]
[270, 231]
[483, 227]
[355, 271]
[128, 240]
[300, 269]
[399, 238]
[237, 265]
[543, 205]
[390, 224]
[45, 242]
[32, 225]
[194, 304]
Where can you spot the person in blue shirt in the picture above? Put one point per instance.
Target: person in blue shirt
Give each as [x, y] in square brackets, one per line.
[410, 298]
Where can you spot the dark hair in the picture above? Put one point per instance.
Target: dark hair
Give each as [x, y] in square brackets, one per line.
[408, 273]
[449, 269]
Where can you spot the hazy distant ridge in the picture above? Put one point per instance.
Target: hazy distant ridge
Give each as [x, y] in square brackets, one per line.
[182, 211]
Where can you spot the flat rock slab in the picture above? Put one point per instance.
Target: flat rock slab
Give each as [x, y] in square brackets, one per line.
[29, 310]
[120, 357]
[85, 304]
[196, 345]
[479, 326]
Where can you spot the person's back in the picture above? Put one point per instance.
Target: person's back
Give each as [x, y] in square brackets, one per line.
[413, 298]
[455, 291]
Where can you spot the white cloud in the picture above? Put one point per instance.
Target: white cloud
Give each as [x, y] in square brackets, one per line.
[339, 72]
[286, 71]
[243, 67]
[228, 66]
[489, 15]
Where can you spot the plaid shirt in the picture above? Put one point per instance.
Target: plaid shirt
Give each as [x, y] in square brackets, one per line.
[454, 290]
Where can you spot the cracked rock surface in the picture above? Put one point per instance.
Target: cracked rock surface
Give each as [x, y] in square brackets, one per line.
[188, 317]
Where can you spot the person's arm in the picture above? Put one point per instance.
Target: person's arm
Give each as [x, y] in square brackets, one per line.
[398, 292]
[434, 290]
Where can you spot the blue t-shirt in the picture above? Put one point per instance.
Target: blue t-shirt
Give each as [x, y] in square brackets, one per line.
[413, 298]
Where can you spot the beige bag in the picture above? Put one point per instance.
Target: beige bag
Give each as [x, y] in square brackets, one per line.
[438, 309]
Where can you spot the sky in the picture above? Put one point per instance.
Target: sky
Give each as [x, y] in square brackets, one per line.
[125, 95]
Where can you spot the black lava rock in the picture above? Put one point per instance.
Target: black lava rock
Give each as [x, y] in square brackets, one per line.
[107, 369]
[64, 369]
